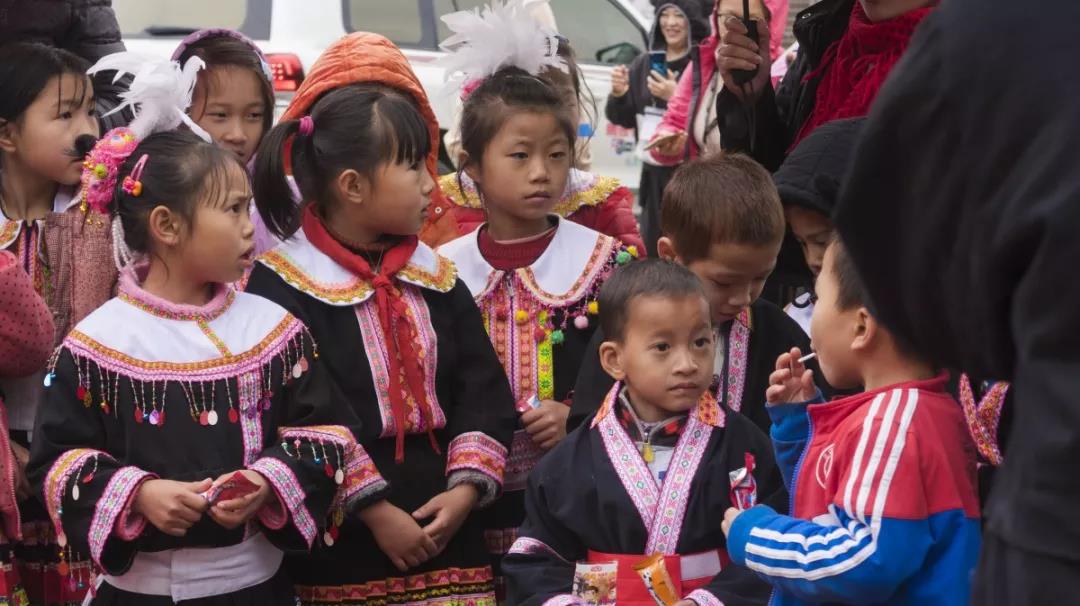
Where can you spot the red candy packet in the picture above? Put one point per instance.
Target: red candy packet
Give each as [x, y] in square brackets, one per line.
[235, 487]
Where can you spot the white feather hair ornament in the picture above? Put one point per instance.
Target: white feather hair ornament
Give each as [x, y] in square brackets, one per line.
[500, 34]
[160, 92]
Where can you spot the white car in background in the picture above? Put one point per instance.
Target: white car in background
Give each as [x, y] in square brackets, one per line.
[293, 33]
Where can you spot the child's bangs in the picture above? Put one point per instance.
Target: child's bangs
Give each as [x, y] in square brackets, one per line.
[221, 173]
[401, 131]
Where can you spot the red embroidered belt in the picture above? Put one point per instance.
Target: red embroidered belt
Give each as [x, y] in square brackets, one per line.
[687, 572]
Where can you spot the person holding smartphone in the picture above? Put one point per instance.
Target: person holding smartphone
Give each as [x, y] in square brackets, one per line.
[640, 92]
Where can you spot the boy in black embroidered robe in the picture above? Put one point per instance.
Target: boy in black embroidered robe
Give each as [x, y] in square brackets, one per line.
[654, 468]
[722, 219]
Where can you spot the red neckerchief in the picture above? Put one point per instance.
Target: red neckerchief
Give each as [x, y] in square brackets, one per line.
[854, 67]
[393, 319]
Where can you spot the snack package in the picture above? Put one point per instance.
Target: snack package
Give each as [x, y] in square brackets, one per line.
[527, 405]
[743, 485]
[595, 583]
[657, 580]
[235, 487]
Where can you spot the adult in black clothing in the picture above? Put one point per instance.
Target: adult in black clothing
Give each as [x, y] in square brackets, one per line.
[87, 28]
[969, 249]
[637, 93]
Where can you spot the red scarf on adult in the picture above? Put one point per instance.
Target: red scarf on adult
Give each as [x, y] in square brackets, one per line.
[854, 67]
[406, 369]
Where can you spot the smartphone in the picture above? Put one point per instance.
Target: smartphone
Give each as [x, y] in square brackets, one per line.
[742, 76]
[658, 62]
[661, 140]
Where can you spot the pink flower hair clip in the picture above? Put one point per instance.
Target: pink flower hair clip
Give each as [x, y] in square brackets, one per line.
[102, 165]
[132, 184]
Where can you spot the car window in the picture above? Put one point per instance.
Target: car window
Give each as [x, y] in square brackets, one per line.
[398, 20]
[597, 29]
[139, 18]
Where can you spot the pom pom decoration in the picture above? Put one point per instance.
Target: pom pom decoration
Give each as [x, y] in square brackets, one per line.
[581, 322]
[498, 35]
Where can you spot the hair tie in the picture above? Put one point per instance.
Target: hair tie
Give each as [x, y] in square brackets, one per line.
[307, 126]
[132, 184]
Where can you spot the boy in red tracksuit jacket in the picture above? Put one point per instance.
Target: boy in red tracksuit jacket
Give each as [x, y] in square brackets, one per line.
[884, 502]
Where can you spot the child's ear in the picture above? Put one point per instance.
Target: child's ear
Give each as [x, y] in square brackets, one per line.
[471, 169]
[665, 249]
[7, 136]
[611, 360]
[165, 227]
[866, 329]
[352, 187]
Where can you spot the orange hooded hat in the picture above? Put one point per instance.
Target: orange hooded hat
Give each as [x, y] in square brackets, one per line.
[365, 57]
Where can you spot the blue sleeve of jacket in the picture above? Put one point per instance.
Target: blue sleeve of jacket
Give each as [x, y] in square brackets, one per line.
[853, 563]
[790, 431]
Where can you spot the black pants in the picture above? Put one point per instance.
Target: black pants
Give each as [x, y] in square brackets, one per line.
[1008, 576]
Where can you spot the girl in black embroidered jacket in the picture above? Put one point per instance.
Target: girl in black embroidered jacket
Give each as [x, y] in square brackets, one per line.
[178, 387]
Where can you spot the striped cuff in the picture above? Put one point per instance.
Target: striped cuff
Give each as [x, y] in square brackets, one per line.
[363, 482]
[531, 546]
[477, 452]
[565, 600]
[290, 493]
[117, 497]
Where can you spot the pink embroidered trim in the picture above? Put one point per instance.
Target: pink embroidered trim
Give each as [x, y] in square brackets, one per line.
[531, 546]
[334, 434]
[56, 480]
[133, 294]
[361, 476]
[630, 467]
[375, 347]
[477, 452]
[737, 351]
[290, 493]
[430, 346]
[249, 393]
[131, 524]
[675, 493]
[984, 418]
[213, 370]
[704, 598]
[565, 600]
[524, 455]
[118, 492]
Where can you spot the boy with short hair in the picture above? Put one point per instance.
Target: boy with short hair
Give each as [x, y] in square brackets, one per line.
[654, 469]
[722, 219]
[883, 482]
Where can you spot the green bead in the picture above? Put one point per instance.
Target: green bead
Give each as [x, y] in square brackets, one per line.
[557, 337]
[623, 257]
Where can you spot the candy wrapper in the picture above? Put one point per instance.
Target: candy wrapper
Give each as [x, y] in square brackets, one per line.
[526, 405]
[743, 485]
[655, 576]
[595, 583]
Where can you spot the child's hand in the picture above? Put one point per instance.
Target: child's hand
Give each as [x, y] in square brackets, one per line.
[791, 381]
[398, 535]
[450, 509]
[236, 512]
[172, 507]
[547, 424]
[729, 519]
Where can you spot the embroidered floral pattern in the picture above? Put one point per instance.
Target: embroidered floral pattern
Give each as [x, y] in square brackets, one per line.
[737, 352]
[209, 370]
[117, 493]
[352, 292]
[178, 312]
[249, 395]
[529, 546]
[476, 451]
[983, 418]
[524, 455]
[290, 493]
[376, 349]
[447, 587]
[601, 262]
[675, 493]
[442, 280]
[629, 466]
[704, 598]
[361, 477]
[56, 480]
